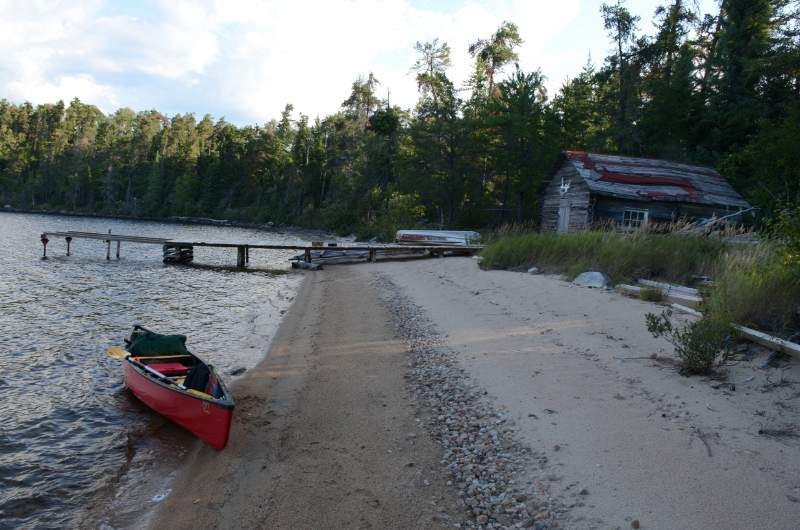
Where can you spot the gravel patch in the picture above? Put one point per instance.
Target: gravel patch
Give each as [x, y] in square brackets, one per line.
[487, 463]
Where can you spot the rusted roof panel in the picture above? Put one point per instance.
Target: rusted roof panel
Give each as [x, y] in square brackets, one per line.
[653, 180]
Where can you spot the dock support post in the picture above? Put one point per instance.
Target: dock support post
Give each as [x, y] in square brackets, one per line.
[118, 244]
[69, 240]
[240, 257]
[108, 247]
[247, 256]
[308, 255]
[372, 255]
[44, 245]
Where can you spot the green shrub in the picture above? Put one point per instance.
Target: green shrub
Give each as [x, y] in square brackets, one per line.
[786, 230]
[701, 345]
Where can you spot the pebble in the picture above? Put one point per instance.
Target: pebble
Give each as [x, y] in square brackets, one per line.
[480, 449]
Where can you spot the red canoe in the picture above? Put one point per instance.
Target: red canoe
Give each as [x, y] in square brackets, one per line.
[169, 385]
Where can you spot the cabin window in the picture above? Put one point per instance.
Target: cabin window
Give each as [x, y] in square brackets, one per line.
[633, 219]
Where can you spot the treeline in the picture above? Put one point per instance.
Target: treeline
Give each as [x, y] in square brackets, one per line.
[720, 90]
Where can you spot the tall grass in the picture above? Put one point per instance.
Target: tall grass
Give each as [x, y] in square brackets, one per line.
[623, 256]
[756, 287]
[753, 284]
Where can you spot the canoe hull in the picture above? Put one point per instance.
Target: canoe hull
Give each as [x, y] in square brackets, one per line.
[209, 421]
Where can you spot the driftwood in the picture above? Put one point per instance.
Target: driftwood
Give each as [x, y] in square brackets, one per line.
[759, 337]
[670, 287]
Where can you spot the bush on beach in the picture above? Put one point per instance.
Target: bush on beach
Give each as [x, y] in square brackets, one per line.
[701, 345]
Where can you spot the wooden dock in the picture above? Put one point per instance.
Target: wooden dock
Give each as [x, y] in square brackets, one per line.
[175, 251]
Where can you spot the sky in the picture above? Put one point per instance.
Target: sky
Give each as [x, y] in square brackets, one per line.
[246, 59]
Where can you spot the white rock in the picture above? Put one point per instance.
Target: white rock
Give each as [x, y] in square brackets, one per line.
[598, 280]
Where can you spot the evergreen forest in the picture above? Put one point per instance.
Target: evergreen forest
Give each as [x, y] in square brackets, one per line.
[721, 90]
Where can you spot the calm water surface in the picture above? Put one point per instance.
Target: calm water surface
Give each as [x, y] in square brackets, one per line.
[69, 431]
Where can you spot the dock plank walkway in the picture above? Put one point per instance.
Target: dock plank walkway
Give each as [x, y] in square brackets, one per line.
[176, 251]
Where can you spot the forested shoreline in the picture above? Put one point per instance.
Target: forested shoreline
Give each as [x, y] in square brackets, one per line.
[721, 90]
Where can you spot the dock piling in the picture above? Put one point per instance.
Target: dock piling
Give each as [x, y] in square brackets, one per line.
[44, 246]
[68, 239]
[108, 247]
[118, 244]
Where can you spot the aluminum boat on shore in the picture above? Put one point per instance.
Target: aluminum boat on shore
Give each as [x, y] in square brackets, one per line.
[456, 238]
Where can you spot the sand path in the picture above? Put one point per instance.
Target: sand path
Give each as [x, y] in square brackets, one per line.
[625, 437]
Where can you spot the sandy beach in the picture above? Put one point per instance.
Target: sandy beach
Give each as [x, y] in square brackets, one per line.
[430, 393]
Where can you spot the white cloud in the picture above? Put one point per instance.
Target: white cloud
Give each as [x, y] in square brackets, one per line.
[309, 54]
[247, 58]
[81, 86]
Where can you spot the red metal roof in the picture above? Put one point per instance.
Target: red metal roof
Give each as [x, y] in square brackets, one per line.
[650, 179]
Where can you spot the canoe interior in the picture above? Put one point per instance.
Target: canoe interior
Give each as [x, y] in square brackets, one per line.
[176, 368]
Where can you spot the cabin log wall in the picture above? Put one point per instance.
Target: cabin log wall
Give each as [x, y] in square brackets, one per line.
[577, 198]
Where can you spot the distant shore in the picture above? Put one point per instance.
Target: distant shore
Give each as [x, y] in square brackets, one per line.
[205, 221]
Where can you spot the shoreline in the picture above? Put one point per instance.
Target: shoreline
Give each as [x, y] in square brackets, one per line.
[430, 373]
[284, 429]
[200, 221]
[159, 452]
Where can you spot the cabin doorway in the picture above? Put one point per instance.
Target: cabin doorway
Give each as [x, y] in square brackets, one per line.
[563, 219]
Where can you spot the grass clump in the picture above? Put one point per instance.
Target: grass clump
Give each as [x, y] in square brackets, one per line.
[701, 346]
[651, 294]
[623, 256]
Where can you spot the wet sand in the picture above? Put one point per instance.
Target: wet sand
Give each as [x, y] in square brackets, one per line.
[326, 433]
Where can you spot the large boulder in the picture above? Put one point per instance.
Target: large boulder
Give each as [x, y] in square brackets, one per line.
[598, 280]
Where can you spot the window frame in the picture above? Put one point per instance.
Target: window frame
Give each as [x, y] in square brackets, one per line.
[629, 222]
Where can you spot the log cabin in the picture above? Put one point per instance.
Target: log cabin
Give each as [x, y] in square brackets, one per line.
[587, 190]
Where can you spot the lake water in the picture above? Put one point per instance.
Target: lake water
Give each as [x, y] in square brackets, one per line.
[75, 446]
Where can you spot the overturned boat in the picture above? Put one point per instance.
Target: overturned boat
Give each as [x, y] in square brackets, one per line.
[177, 384]
[438, 238]
[407, 244]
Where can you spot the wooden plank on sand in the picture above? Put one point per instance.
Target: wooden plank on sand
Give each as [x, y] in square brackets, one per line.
[670, 287]
[673, 297]
[768, 341]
